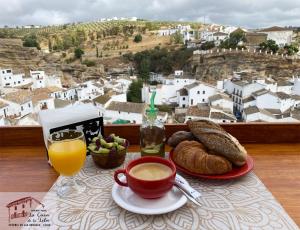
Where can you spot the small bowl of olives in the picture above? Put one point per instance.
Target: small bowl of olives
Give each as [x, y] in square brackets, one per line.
[109, 152]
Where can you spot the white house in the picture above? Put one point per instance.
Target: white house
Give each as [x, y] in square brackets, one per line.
[199, 92]
[8, 79]
[130, 111]
[41, 80]
[41, 100]
[38, 79]
[218, 37]
[222, 101]
[166, 93]
[285, 87]
[20, 103]
[241, 89]
[89, 90]
[282, 36]
[268, 100]
[124, 84]
[69, 94]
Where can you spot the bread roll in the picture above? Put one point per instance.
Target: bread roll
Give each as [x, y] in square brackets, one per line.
[192, 156]
[218, 140]
[180, 136]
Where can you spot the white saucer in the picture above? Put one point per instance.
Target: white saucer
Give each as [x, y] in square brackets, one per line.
[128, 200]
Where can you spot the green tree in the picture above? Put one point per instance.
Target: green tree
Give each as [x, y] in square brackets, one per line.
[234, 40]
[78, 53]
[134, 93]
[291, 49]
[138, 38]
[208, 45]
[97, 52]
[31, 41]
[269, 45]
[177, 38]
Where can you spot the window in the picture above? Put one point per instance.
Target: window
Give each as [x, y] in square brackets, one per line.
[40, 81]
[183, 106]
[203, 100]
[198, 92]
[22, 108]
[14, 82]
[5, 78]
[19, 82]
[203, 92]
[16, 207]
[28, 105]
[192, 101]
[23, 205]
[8, 71]
[183, 98]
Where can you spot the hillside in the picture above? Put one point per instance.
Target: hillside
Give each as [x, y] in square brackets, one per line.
[103, 44]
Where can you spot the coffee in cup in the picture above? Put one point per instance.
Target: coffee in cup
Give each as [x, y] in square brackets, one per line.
[149, 177]
[150, 171]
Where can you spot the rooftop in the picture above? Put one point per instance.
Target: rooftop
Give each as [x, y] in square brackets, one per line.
[2, 104]
[274, 29]
[283, 95]
[102, 99]
[19, 97]
[59, 103]
[128, 107]
[248, 99]
[251, 110]
[198, 111]
[193, 85]
[221, 116]
[219, 96]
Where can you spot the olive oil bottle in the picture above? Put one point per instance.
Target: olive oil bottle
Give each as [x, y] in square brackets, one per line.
[152, 133]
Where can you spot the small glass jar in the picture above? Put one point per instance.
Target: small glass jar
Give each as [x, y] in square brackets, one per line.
[152, 135]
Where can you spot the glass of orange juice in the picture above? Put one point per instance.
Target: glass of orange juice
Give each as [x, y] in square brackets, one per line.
[67, 153]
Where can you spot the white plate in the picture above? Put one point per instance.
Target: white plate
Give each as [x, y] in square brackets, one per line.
[128, 200]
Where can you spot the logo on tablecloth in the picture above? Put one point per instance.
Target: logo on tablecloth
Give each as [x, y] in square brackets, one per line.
[29, 210]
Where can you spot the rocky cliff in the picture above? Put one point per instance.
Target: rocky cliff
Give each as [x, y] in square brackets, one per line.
[217, 66]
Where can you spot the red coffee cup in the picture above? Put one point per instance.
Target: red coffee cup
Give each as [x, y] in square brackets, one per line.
[145, 188]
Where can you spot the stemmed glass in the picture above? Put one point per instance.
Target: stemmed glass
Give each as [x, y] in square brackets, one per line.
[67, 153]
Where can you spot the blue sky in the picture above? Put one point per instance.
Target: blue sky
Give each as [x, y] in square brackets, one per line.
[246, 13]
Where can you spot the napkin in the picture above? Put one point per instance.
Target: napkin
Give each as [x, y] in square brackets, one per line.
[54, 118]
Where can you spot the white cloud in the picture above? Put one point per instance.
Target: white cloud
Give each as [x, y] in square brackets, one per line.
[248, 13]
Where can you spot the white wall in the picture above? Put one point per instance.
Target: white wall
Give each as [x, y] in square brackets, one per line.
[18, 109]
[49, 103]
[280, 37]
[200, 94]
[225, 104]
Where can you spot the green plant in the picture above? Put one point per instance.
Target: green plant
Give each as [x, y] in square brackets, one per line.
[291, 49]
[134, 93]
[177, 38]
[89, 63]
[208, 45]
[31, 41]
[269, 45]
[78, 53]
[138, 38]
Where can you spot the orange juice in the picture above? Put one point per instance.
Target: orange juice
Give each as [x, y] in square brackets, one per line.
[67, 157]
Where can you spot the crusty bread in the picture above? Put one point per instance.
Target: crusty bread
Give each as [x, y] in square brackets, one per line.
[192, 156]
[178, 137]
[218, 140]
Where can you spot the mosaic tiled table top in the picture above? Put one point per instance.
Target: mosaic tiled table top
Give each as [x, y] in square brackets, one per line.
[244, 203]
